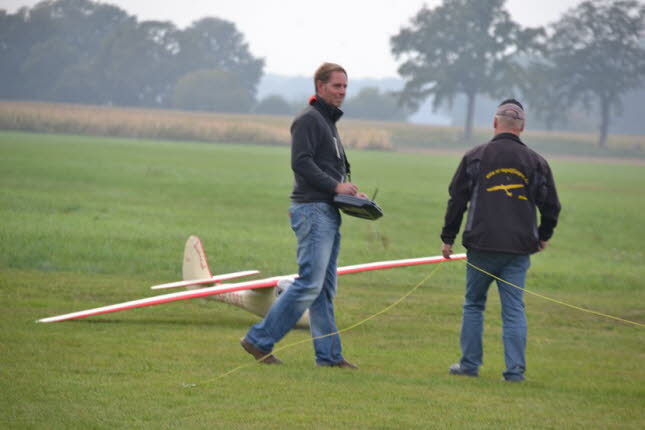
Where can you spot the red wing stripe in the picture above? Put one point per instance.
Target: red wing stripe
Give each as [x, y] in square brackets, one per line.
[396, 263]
[166, 298]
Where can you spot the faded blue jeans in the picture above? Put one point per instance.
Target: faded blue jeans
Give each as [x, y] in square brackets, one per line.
[317, 229]
[512, 268]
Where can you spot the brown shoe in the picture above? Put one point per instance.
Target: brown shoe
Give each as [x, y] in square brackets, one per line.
[257, 354]
[342, 364]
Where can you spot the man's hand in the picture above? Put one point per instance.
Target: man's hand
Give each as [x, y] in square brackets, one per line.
[346, 188]
[542, 245]
[446, 250]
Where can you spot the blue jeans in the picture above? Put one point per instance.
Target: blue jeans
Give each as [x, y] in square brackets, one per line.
[317, 228]
[512, 268]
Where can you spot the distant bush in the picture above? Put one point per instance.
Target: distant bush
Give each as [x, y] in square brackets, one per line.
[371, 104]
[273, 104]
[212, 90]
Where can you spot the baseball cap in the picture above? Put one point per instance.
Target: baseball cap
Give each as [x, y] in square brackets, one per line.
[510, 108]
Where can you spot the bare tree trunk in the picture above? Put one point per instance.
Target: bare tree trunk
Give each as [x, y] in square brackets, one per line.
[470, 116]
[604, 122]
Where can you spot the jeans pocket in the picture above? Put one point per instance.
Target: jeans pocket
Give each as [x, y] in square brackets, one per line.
[328, 214]
[300, 218]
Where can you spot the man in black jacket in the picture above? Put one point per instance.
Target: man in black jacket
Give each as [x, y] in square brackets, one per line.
[501, 183]
[321, 170]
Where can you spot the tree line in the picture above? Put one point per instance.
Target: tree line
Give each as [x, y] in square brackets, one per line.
[81, 51]
[87, 52]
[589, 59]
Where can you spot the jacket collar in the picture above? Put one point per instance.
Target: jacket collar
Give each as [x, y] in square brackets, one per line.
[328, 111]
[508, 136]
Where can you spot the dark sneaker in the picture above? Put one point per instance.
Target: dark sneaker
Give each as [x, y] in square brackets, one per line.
[514, 378]
[346, 365]
[456, 369]
[342, 364]
[257, 354]
[516, 374]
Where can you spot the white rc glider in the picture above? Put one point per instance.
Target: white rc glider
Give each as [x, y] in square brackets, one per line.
[254, 296]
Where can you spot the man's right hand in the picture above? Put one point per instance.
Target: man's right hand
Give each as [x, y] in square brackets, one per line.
[346, 188]
[446, 250]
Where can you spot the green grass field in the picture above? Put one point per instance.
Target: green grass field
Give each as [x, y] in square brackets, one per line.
[88, 222]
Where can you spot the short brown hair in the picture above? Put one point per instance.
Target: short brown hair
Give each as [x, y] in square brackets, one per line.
[324, 72]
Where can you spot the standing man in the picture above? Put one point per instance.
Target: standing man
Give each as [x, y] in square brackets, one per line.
[502, 182]
[320, 171]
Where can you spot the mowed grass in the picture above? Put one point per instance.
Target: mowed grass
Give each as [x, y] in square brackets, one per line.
[88, 222]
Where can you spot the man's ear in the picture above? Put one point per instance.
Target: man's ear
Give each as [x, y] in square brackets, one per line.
[494, 122]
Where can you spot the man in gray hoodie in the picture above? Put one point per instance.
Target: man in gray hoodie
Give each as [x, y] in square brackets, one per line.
[321, 170]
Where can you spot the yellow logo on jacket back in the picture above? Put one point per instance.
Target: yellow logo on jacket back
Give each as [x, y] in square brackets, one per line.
[508, 187]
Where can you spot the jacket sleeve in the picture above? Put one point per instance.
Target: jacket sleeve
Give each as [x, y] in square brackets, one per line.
[459, 191]
[305, 138]
[547, 202]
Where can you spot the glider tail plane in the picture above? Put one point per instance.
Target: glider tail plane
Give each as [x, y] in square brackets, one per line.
[195, 264]
[255, 301]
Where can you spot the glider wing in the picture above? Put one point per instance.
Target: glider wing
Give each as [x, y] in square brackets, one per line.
[396, 263]
[212, 280]
[248, 285]
[166, 298]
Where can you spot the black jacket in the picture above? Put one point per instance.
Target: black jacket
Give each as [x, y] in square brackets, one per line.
[317, 156]
[502, 182]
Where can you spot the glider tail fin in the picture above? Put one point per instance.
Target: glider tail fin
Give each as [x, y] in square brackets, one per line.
[195, 264]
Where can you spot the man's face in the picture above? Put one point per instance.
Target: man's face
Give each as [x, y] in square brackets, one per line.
[333, 91]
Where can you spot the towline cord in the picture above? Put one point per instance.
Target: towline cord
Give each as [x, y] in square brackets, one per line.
[353, 326]
[554, 300]
[397, 302]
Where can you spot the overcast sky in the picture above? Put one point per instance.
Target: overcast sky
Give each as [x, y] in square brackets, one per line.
[295, 36]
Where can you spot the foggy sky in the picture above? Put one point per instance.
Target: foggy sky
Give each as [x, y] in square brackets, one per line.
[295, 36]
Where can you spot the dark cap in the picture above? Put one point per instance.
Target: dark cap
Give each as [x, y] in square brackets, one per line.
[510, 108]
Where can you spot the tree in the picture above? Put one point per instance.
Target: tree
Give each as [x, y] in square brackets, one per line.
[42, 42]
[16, 38]
[213, 43]
[542, 95]
[138, 65]
[369, 103]
[630, 120]
[212, 90]
[596, 53]
[463, 46]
